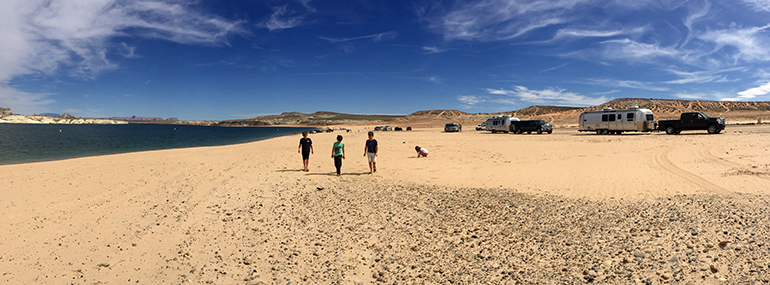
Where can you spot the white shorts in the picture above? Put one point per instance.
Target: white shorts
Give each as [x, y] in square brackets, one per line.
[371, 156]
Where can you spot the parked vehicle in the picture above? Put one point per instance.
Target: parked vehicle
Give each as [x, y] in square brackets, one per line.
[500, 124]
[398, 129]
[408, 128]
[387, 128]
[482, 127]
[453, 127]
[530, 126]
[378, 128]
[617, 121]
[693, 121]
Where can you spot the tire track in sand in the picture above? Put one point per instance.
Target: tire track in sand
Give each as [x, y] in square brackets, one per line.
[705, 152]
[661, 159]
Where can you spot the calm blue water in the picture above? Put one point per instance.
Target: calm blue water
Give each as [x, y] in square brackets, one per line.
[21, 143]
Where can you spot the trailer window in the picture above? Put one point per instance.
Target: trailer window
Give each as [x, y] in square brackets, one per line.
[604, 118]
[649, 117]
[630, 117]
[612, 118]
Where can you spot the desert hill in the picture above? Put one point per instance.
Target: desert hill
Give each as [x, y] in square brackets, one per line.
[734, 112]
[321, 118]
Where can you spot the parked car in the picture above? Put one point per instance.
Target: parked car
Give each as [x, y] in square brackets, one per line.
[378, 128]
[408, 128]
[693, 121]
[398, 129]
[453, 127]
[530, 126]
[482, 127]
[387, 128]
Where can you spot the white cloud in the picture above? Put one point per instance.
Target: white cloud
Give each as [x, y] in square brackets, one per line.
[375, 37]
[629, 49]
[490, 20]
[763, 5]
[624, 83]
[551, 96]
[280, 20]
[754, 92]
[751, 43]
[44, 36]
[607, 92]
[430, 50]
[470, 100]
[23, 102]
[691, 96]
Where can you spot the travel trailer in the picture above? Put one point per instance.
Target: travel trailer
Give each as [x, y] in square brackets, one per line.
[500, 124]
[617, 121]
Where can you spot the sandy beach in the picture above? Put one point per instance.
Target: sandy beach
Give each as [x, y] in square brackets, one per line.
[482, 208]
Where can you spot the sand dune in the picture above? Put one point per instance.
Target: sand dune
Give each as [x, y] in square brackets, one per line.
[482, 208]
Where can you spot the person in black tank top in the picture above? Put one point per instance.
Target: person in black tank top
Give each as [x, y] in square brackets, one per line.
[306, 148]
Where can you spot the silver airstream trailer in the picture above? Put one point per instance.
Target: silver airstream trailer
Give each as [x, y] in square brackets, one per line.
[500, 124]
[617, 121]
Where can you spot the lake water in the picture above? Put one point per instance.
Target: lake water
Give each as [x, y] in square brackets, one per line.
[21, 143]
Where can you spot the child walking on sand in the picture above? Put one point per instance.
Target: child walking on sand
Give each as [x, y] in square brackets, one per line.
[370, 151]
[338, 153]
[421, 151]
[306, 147]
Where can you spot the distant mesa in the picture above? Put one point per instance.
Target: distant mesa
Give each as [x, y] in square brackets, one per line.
[66, 116]
[142, 119]
[50, 114]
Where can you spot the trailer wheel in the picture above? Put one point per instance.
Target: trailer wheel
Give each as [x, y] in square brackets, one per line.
[549, 132]
[670, 130]
[598, 132]
[539, 131]
[518, 131]
[494, 132]
[712, 129]
[529, 132]
[605, 132]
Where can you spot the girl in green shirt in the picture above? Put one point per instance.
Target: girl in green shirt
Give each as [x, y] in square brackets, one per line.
[338, 153]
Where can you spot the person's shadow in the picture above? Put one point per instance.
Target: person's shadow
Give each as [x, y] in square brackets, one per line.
[289, 170]
[335, 174]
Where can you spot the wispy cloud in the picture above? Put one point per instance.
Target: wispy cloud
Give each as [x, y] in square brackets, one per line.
[45, 36]
[751, 43]
[624, 83]
[375, 37]
[470, 100]
[606, 93]
[550, 96]
[23, 102]
[430, 50]
[698, 76]
[763, 5]
[282, 18]
[554, 68]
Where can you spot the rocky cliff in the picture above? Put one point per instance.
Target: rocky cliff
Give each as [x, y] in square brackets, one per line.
[24, 119]
[5, 111]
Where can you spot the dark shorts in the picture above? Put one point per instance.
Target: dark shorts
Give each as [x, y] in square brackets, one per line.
[305, 155]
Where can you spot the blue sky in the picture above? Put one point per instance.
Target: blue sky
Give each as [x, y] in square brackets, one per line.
[241, 58]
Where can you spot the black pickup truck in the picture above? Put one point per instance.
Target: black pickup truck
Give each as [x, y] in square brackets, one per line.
[692, 121]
